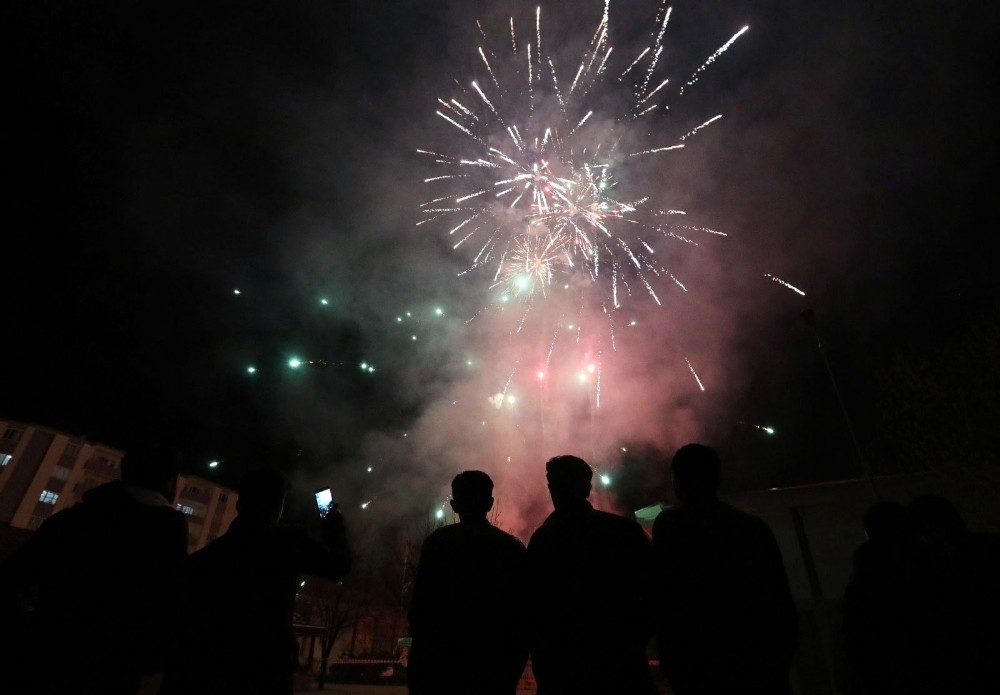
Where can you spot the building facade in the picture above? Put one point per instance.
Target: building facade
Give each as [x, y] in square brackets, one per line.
[44, 470]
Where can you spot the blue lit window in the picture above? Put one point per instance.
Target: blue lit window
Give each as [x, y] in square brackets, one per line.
[48, 497]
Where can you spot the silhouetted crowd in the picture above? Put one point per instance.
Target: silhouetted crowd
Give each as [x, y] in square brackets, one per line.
[922, 609]
[103, 598]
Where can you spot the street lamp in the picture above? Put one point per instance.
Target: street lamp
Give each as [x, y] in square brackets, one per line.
[809, 317]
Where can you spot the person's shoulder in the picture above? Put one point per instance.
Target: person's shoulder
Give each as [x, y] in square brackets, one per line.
[737, 522]
[442, 535]
[61, 526]
[739, 515]
[543, 533]
[508, 540]
[669, 515]
[616, 521]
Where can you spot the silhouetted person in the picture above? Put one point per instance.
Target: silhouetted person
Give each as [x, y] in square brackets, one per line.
[589, 584]
[467, 616]
[726, 621]
[102, 578]
[961, 605]
[236, 626]
[890, 607]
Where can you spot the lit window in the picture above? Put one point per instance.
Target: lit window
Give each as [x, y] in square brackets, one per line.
[61, 472]
[13, 433]
[186, 509]
[48, 497]
[5, 459]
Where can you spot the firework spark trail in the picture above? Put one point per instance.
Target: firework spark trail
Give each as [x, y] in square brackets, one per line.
[634, 63]
[693, 372]
[489, 69]
[786, 284]
[656, 149]
[703, 125]
[712, 58]
[647, 97]
[702, 229]
[552, 346]
[658, 49]
[597, 386]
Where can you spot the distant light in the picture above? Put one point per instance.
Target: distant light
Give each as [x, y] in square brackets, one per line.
[409, 314]
[302, 585]
[522, 282]
[413, 337]
[439, 311]
[371, 369]
[251, 370]
[511, 400]
[236, 292]
[570, 326]
[624, 449]
[769, 430]
[364, 505]
[582, 377]
[323, 302]
[605, 480]
[295, 363]
[468, 363]
[369, 469]
[364, 366]
[565, 287]
[439, 514]
[399, 319]
[541, 375]
[405, 434]
[591, 368]
[213, 464]
[632, 322]
[504, 298]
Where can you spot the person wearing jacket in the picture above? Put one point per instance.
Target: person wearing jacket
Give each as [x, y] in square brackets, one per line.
[95, 587]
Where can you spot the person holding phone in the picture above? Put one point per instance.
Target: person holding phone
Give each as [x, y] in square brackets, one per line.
[324, 501]
[236, 627]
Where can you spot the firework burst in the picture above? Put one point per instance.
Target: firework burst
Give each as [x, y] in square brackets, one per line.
[533, 185]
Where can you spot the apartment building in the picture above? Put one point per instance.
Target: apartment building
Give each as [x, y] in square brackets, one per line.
[210, 508]
[44, 470]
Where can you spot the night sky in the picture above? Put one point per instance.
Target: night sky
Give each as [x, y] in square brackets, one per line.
[162, 155]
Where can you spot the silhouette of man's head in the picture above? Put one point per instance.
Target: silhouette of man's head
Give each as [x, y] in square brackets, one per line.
[153, 468]
[262, 495]
[886, 520]
[569, 480]
[935, 518]
[472, 495]
[695, 471]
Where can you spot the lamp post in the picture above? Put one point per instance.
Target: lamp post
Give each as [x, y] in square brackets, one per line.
[809, 317]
